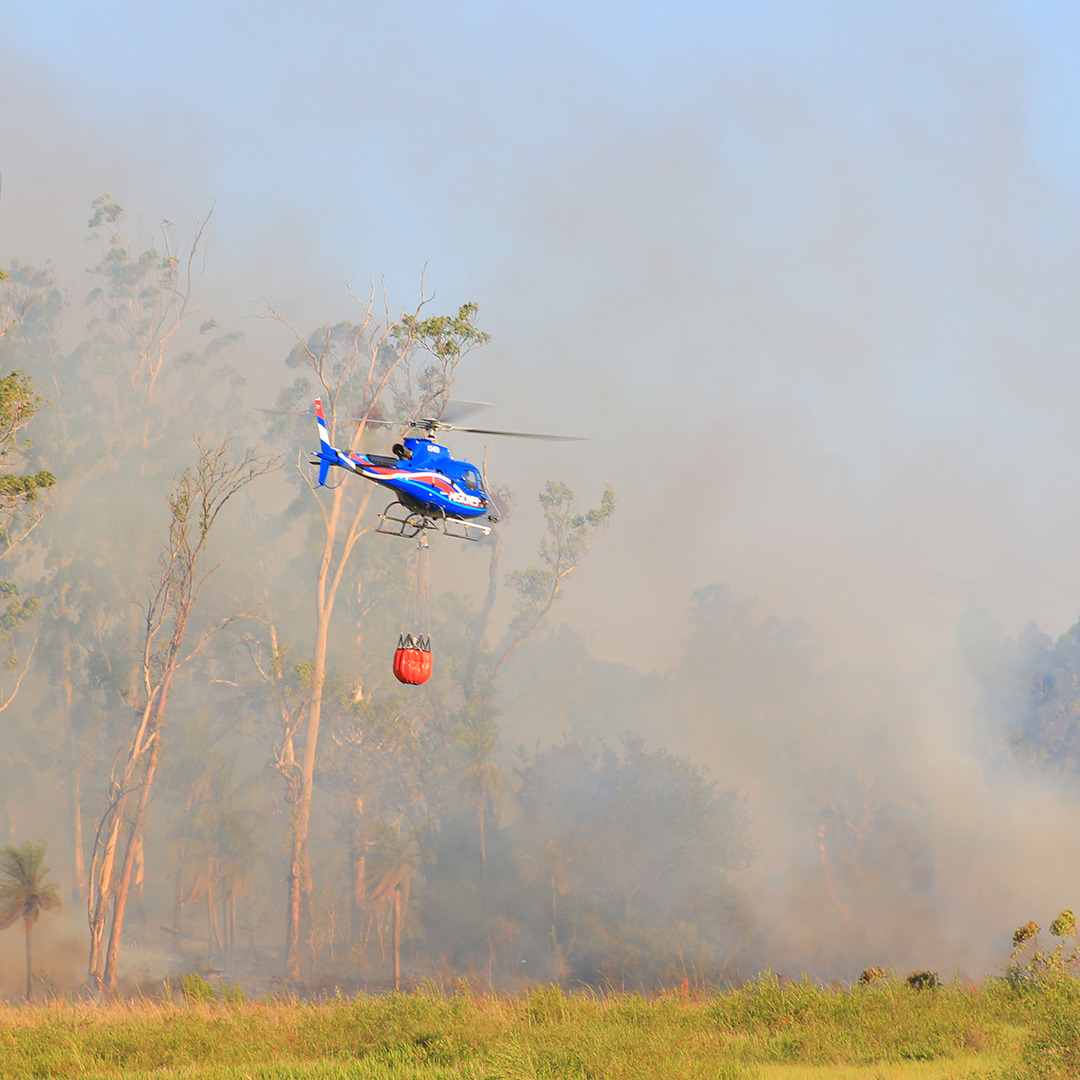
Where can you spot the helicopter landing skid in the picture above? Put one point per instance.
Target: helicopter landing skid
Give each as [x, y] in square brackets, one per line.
[399, 520]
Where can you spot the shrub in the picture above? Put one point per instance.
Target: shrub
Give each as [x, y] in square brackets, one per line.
[197, 990]
[1029, 964]
[923, 980]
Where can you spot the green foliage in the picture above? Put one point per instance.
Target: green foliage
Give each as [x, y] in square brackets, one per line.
[569, 535]
[1052, 1050]
[447, 339]
[142, 299]
[1030, 687]
[24, 487]
[395, 853]
[1031, 964]
[25, 889]
[18, 406]
[633, 852]
[1064, 923]
[1026, 933]
[196, 989]
[923, 980]
[25, 892]
[15, 613]
[30, 310]
[20, 507]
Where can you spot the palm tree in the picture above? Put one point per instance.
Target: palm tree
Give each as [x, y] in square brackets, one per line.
[483, 779]
[395, 855]
[484, 785]
[25, 892]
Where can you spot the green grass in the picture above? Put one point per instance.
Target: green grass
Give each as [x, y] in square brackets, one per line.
[765, 1031]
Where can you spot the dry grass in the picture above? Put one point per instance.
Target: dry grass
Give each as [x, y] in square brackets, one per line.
[765, 1031]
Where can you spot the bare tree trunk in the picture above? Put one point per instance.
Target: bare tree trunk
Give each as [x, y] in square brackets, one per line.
[363, 371]
[483, 851]
[78, 877]
[326, 592]
[357, 895]
[29, 961]
[229, 920]
[397, 937]
[102, 886]
[139, 882]
[830, 883]
[300, 868]
[556, 953]
[215, 946]
[67, 690]
[178, 896]
[299, 889]
[122, 888]
[195, 501]
[100, 883]
[380, 930]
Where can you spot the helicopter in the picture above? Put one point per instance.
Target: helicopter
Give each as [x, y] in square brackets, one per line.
[433, 489]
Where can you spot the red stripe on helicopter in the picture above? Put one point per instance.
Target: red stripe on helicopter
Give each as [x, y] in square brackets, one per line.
[431, 479]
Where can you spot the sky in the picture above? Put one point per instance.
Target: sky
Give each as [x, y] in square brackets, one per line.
[803, 274]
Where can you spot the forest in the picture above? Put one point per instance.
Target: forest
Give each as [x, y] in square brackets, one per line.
[210, 768]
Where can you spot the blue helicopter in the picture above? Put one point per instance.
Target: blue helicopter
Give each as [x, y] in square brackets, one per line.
[433, 489]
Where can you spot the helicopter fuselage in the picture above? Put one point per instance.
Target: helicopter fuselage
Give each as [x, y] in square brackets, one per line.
[423, 475]
[427, 479]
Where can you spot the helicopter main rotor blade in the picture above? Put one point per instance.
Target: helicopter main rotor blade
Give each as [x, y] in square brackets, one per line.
[455, 408]
[434, 425]
[517, 434]
[459, 408]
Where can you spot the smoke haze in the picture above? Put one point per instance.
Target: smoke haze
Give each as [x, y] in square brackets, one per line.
[805, 278]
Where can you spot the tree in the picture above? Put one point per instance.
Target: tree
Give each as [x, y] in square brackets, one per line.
[29, 304]
[354, 365]
[21, 510]
[630, 849]
[143, 298]
[25, 892]
[483, 779]
[195, 503]
[569, 538]
[394, 858]
[216, 845]
[125, 403]
[1030, 689]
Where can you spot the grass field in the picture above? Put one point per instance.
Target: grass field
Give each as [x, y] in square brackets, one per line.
[766, 1030]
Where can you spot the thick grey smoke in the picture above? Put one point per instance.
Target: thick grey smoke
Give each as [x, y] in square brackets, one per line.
[805, 280]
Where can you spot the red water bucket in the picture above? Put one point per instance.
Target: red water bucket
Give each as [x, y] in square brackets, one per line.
[412, 660]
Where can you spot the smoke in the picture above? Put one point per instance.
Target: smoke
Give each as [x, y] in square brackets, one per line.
[805, 280]
[812, 303]
[58, 950]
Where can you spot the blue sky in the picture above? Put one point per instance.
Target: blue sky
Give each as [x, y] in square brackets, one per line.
[804, 272]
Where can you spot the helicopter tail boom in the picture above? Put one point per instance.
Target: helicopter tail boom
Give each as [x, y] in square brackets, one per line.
[327, 455]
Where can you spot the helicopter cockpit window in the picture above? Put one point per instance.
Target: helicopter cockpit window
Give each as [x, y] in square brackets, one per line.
[472, 481]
